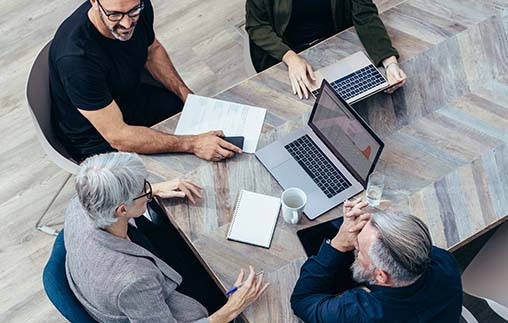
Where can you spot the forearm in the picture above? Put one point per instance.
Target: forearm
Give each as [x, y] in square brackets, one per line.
[319, 274]
[162, 69]
[372, 31]
[223, 315]
[266, 39]
[145, 140]
[314, 298]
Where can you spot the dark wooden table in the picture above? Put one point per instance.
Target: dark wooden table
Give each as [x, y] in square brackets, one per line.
[446, 155]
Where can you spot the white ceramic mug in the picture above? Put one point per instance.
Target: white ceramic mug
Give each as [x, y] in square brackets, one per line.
[293, 203]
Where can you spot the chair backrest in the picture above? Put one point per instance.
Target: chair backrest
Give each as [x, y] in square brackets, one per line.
[57, 288]
[39, 106]
[487, 275]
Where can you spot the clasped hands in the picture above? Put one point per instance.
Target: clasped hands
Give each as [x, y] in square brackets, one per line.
[302, 77]
[355, 218]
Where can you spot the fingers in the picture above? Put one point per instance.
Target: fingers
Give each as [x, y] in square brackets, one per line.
[229, 146]
[251, 278]
[293, 84]
[349, 205]
[301, 77]
[305, 84]
[259, 281]
[358, 226]
[396, 77]
[299, 90]
[187, 192]
[262, 290]
[194, 184]
[360, 204]
[239, 279]
[311, 73]
[193, 188]
[224, 153]
[361, 221]
[356, 212]
[403, 77]
[212, 147]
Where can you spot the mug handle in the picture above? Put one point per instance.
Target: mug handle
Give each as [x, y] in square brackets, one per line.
[294, 218]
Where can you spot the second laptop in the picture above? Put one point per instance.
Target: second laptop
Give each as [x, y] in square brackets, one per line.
[330, 158]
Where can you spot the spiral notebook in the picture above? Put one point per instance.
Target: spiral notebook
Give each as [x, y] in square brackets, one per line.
[254, 219]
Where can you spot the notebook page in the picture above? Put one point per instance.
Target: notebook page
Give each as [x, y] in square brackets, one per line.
[255, 219]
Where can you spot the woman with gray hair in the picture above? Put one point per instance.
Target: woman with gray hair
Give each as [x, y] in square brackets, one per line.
[379, 268]
[112, 267]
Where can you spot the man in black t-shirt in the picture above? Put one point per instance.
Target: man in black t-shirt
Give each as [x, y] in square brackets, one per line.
[98, 61]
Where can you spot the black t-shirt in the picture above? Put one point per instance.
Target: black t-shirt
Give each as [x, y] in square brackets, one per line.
[88, 71]
[311, 20]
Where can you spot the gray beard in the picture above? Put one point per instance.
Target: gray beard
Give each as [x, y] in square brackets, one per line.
[116, 34]
[362, 275]
[123, 37]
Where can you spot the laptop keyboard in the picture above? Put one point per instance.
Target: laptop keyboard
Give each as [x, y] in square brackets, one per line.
[356, 83]
[318, 166]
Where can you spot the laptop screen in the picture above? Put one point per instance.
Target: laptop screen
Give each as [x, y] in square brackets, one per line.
[345, 133]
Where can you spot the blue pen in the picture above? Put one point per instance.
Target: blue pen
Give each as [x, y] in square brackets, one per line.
[235, 288]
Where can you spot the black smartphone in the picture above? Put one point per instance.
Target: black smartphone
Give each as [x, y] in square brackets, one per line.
[237, 141]
[312, 237]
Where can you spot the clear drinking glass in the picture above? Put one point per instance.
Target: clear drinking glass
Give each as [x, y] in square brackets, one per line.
[375, 188]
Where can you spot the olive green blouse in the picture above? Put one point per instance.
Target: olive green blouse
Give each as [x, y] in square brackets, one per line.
[267, 20]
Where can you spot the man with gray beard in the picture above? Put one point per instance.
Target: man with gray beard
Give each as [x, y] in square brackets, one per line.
[111, 79]
[379, 268]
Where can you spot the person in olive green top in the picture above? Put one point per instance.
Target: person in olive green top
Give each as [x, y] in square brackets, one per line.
[279, 29]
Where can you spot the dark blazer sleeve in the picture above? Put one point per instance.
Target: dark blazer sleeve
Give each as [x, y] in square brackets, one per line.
[314, 297]
[372, 31]
[261, 32]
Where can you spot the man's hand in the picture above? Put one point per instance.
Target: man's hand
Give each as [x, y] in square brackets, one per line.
[395, 75]
[178, 188]
[211, 146]
[301, 74]
[355, 219]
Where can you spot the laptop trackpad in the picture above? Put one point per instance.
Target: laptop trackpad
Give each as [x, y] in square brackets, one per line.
[291, 174]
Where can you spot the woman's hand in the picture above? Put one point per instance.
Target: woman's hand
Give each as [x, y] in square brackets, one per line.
[301, 74]
[395, 75]
[249, 292]
[178, 188]
[246, 294]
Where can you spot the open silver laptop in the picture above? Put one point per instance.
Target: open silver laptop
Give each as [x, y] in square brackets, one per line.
[353, 78]
[330, 158]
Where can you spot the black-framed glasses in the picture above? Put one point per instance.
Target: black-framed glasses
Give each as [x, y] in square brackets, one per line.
[147, 191]
[118, 15]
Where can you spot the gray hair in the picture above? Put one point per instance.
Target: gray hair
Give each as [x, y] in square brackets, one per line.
[403, 248]
[106, 181]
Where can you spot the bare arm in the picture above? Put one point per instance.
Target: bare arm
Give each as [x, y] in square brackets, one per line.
[161, 68]
[109, 123]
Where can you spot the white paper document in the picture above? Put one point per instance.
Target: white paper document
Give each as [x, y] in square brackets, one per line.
[201, 114]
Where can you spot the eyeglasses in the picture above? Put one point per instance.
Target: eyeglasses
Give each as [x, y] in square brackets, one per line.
[117, 15]
[147, 191]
